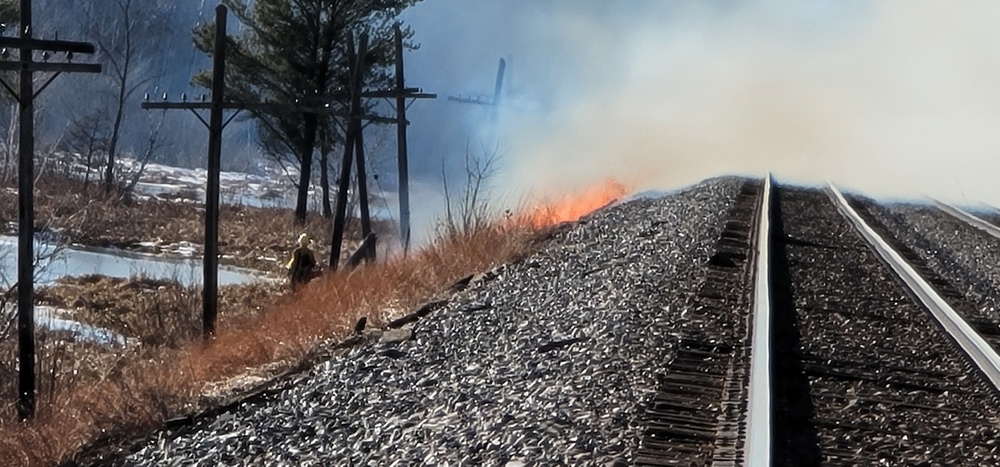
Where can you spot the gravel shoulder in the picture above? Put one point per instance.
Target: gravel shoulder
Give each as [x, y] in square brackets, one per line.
[552, 361]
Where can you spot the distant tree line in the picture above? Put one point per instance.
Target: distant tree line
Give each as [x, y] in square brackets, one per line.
[96, 118]
[279, 51]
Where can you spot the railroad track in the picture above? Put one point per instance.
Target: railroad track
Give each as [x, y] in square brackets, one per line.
[820, 339]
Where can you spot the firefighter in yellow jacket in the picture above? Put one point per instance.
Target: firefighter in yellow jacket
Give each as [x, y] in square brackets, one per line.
[302, 266]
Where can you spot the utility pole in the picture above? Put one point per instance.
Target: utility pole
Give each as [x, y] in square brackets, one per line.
[359, 151]
[210, 288]
[401, 93]
[26, 225]
[498, 88]
[357, 64]
[494, 104]
[25, 97]
[402, 164]
[355, 138]
[216, 124]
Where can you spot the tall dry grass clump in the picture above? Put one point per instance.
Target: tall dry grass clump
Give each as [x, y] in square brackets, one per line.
[146, 391]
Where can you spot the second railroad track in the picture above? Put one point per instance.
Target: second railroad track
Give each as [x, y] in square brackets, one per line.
[820, 339]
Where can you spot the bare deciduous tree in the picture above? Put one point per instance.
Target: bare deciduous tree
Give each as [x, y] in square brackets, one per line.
[7, 309]
[88, 137]
[472, 208]
[9, 148]
[153, 142]
[126, 46]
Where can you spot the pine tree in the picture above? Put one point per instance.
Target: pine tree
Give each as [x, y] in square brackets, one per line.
[292, 49]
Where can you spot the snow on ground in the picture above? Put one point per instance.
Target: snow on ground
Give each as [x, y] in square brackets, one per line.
[188, 185]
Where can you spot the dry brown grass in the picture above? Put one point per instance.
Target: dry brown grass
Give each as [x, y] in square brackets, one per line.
[146, 389]
[160, 315]
[157, 312]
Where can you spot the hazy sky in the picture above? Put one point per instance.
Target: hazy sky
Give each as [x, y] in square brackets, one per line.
[894, 98]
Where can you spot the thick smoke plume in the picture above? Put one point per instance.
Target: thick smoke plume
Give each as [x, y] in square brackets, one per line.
[895, 98]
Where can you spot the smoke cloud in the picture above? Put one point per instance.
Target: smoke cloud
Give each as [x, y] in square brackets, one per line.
[895, 99]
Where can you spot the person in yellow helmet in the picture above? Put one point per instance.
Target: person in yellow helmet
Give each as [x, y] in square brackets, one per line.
[302, 267]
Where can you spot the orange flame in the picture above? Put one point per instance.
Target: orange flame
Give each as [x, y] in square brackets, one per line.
[573, 207]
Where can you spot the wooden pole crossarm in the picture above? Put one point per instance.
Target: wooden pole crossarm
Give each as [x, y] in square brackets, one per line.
[263, 106]
[494, 104]
[58, 68]
[320, 99]
[45, 66]
[341, 113]
[236, 106]
[196, 114]
[471, 100]
[50, 45]
[49, 81]
[378, 119]
[179, 105]
[408, 93]
[10, 90]
[415, 93]
[231, 117]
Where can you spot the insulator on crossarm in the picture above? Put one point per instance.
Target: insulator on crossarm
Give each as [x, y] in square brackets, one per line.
[184, 97]
[164, 96]
[146, 97]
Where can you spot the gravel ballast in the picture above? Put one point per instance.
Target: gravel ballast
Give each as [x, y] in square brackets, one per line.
[887, 385]
[964, 255]
[550, 362]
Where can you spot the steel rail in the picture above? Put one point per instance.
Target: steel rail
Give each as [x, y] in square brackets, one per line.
[758, 428]
[982, 355]
[968, 218]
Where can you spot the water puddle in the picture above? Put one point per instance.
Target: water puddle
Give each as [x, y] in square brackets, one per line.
[111, 262]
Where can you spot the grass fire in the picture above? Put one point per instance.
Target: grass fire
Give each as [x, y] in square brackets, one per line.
[405, 232]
